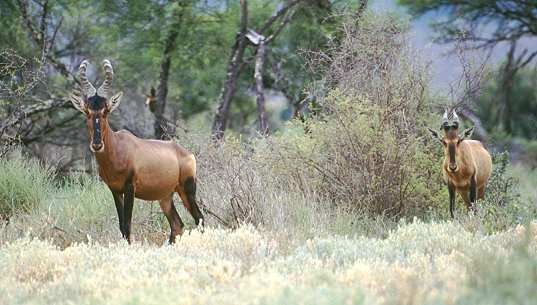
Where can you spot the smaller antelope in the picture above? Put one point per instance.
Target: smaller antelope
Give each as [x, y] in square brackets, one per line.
[467, 164]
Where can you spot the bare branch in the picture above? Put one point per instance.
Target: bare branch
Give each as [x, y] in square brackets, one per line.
[280, 27]
[280, 12]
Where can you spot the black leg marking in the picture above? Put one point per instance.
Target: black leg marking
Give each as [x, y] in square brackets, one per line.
[127, 212]
[473, 192]
[451, 190]
[118, 200]
[190, 190]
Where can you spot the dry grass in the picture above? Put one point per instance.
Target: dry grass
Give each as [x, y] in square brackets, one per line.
[417, 264]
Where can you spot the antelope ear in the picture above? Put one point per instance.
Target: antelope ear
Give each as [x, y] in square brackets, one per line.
[434, 134]
[466, 133]
[78, 103]
[114, 101]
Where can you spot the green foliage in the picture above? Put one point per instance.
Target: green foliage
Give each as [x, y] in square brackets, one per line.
[13, 34]
[352, 158]
[498, 19]
[82, 203]
[529, 153]
[24, 184]
[505, 280]
[503, 206]
[523, 104]
[363, 150]
[501, 188]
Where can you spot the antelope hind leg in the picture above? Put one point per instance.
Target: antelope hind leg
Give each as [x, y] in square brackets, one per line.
[187, 192]
[176, 225]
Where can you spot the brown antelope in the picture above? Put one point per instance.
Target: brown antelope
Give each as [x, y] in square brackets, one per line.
[150, 99]
[467, 164]
[134, 167]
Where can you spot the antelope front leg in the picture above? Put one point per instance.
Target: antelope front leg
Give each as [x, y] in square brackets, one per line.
[473, 193]
[451, 190]
[118, 200]
[127, 210]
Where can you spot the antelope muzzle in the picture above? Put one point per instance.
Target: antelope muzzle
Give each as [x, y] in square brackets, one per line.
[97, 144]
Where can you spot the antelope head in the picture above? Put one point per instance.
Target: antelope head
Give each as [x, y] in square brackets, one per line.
[96, 104]
[150, 99]
[451, 139]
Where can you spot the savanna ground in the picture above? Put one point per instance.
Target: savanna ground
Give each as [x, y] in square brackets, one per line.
[345, 207]
[68, 250]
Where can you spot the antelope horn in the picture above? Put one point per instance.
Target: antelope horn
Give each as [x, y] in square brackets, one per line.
[455, 117]
[108, 77]
[445, 118]
[87, 87]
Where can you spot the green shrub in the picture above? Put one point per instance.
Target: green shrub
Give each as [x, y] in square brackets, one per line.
[529, 154]
[504, 280]
[365, 149]
[24, 183]
[363, 155]
[503, 206]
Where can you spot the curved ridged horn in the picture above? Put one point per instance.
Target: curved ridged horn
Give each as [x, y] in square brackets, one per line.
[87, 87]
[445, 118]
[455, 117]
[108, 77]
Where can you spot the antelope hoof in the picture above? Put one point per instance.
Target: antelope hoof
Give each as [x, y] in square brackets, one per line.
[473, 208]
[201, 226]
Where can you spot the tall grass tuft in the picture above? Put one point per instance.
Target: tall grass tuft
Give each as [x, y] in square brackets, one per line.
[24, 183]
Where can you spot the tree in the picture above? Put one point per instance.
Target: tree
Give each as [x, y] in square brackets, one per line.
[179, 10]
[484, 25]
[523, 107]
[262, 43]
[28, 111]
[180, 47]
[259, 38]
[233, 70]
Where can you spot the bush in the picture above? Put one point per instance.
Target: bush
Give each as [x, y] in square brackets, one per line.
[505, 280]
[503, 206]
[529, 153]
[24, 183]
[365, 149]
[238, 183]
[363, 155]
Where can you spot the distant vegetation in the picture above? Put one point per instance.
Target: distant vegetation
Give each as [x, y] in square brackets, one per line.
[362, 164]
[341, 201]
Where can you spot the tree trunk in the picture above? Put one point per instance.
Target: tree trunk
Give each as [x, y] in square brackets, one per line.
[507, 88]
[259, 89]
[232, 75]
[162, 89]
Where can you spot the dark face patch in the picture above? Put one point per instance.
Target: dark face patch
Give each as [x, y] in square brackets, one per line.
[96, 105]
[450, 141]
[96, 130]
[96, 102]
[452, 148]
